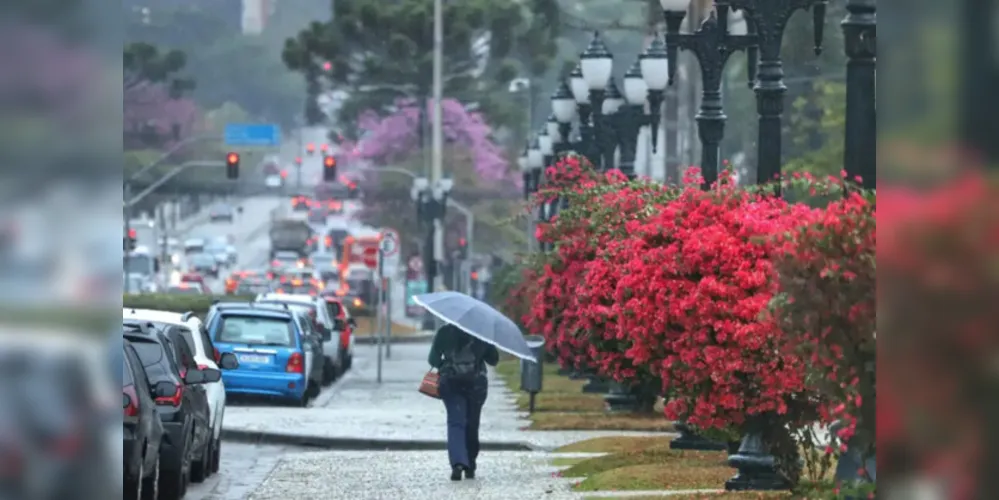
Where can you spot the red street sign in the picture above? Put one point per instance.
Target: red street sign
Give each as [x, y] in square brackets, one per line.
[370, 257]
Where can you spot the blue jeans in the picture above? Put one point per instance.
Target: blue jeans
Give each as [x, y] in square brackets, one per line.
[463, 401]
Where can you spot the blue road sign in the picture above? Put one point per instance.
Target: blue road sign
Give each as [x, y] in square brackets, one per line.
[252, 134]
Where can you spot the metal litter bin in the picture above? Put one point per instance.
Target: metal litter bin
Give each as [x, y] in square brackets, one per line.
[531, 373]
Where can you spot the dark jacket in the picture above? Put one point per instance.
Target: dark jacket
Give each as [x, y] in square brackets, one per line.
[449, 337]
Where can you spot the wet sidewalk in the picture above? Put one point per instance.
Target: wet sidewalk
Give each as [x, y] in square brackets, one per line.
[359, 413]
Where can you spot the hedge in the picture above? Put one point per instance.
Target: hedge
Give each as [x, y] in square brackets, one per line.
[198, 304]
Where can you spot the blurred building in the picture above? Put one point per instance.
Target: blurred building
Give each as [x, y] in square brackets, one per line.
[255, 15]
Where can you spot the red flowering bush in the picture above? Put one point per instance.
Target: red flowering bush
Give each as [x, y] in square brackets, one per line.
[937, 289]
[692, 296]
[568, 303]
[827, 308]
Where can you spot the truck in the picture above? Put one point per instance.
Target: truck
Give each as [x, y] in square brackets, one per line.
[290, 235]
[358, 283]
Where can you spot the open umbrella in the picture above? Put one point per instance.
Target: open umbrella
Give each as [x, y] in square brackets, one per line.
[478, 319]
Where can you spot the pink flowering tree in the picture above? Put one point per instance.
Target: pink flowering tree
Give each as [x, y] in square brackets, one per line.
[153, 118]
[393, 138]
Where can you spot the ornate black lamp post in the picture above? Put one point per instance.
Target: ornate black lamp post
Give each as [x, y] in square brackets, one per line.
[712, 45]
[655, 72]
[860, 36]
[596, 64]
[564, 109]
[769, 18]
[611, 125]
[525, 172]
[633, 118]
[587, 132]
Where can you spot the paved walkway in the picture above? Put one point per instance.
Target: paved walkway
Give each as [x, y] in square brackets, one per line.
[392, 413]
[380, 422]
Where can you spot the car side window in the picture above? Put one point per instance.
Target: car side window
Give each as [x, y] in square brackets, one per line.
[142, 384]
[173, 355]
[184, 348]
[206, 341]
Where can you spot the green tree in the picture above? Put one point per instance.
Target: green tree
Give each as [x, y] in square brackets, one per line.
[380, 52]
[144, 63]
[830, 98]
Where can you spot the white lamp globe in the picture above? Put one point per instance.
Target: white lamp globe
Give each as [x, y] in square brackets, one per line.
[597, 63]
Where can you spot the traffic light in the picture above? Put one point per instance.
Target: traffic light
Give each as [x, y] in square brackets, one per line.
[232, 166]
[324, 147]
[298, 160]
[462, 249]
[329, 169]
[310, 148]
[130, 240]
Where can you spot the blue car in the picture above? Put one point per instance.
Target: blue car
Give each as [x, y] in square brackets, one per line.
[273, 360]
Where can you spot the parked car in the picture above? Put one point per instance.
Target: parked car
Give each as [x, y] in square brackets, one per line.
[343, 327]
[320, 321]
[276, 357]
[190, 331]
[143, 431]
[181, 406]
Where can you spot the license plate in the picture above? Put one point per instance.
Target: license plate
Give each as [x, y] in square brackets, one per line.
[254, 358]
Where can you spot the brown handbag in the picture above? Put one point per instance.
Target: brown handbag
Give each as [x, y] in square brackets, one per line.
[431, 384]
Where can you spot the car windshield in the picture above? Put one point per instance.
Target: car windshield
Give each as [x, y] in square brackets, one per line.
[202, 259]
[138, 263]
[215, 247]
[256, 330]
[151, 355]
[304, 309]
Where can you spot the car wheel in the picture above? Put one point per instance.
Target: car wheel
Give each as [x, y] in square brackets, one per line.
[200, 468]
[329, 372]
[216, 455]
[150, 486]
[177, 476]
[312, 391]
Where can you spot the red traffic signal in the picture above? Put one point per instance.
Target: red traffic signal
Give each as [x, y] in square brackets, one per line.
[323, 147]
[370, 257]
[329, 169]
[329, 162]
[310, 148]
[298, 160]
[232, 166]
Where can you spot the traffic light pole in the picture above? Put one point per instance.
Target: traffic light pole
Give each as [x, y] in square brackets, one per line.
[128, 229]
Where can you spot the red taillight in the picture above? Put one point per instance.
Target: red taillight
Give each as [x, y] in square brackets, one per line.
[174, 400]
[217, 355]
[275, 263]
[132, 408]
[296, 363]
[203, 367]
[345, 338]
[329, 241]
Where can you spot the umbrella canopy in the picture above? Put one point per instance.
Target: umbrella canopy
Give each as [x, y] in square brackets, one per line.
[478, 319]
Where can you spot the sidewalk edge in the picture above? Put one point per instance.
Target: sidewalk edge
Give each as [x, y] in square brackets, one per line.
[409, 339]
[355, 444]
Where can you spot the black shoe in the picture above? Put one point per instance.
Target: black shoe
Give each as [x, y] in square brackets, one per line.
[456, 473]
[469, 473]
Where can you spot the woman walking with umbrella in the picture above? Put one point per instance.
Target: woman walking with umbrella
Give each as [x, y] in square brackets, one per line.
[461, 360]
[460, 352]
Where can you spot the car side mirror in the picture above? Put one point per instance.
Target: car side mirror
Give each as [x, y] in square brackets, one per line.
[211, 375]
[194, 377]
[228, 361]
[164, 389]
[339, 324]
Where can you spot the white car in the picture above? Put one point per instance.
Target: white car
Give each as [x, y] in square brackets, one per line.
[206, 356]
[273, 181]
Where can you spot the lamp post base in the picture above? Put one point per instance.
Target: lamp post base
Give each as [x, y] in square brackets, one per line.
[620, 400]
[689, 440]
[596, 386]
[757, 469]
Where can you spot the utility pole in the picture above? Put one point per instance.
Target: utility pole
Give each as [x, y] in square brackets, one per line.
[437, 147]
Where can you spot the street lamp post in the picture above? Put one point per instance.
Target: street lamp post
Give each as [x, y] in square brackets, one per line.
[768, 18]
[431, 206]
[654, 64]
[611, 126]
[535, 162]
[524, 162]
[596, 65]
[860, 37]
[581, 94]
[636, 94]
[564, 110]
[546, 147]
[712, 45]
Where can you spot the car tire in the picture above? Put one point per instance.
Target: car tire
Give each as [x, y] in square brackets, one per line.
[201, 469]
[216, 455]
[329, 373]
[150, 486]
[312, 391]
[174, 482]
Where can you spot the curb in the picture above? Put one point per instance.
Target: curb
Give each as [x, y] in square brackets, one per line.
[355, 444]
[409, 339]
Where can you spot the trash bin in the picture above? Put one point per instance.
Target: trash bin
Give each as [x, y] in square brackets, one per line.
[531, 373]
